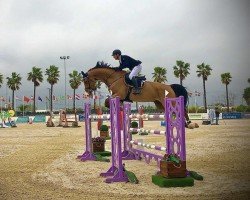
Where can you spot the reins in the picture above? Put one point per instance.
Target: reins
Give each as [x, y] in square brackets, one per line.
[109, 85]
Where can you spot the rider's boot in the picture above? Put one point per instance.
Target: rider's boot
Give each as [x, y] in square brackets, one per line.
[136, 87]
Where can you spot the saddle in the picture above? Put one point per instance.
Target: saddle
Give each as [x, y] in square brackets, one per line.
[139, 79]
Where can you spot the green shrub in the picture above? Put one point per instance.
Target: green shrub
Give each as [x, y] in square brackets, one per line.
[201, 110]
[241, 108]
[192, 109]
[104, 128]
[248, 109]
[134, 124]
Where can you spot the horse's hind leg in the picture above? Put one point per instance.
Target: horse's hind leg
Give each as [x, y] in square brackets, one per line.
[159, 105]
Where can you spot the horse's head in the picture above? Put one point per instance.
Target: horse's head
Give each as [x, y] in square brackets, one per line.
[101, 72]
[89, 83]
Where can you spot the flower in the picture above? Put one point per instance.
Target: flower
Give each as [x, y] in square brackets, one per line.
[98, 139]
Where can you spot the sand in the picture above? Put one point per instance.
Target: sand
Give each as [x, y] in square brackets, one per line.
[37, 162]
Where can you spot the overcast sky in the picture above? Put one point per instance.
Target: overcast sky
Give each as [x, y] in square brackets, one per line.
[157, 32]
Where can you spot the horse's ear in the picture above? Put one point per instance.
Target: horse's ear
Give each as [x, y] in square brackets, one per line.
[84, 75]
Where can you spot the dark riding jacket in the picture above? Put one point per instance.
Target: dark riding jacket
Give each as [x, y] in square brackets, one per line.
[128, 62]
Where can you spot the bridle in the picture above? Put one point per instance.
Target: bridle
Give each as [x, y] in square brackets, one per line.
[87, 81]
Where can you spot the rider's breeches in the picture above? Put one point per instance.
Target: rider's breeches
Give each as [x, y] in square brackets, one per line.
[136, 70]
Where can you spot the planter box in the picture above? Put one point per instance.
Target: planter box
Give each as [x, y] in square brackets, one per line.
[169, 169]
[134, 132]
[98, 146]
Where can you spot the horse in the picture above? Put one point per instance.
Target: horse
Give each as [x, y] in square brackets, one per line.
[115, 81]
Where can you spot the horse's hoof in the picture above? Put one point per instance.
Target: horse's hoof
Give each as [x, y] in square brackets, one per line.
[106, 103]
[196, 125]
[191, 126]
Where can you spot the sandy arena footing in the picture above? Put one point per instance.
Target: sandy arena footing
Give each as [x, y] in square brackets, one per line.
[37, 162]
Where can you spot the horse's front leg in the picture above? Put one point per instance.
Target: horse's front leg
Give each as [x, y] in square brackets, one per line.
[112, 96]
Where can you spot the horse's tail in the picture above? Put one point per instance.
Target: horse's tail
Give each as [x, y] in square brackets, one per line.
[180, 91]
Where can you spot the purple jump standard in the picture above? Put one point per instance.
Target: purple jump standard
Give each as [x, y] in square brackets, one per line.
[116, 170]
[88, 154]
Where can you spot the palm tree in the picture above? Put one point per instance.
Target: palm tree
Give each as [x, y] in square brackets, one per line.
[226, 78]
[75, 81]
[204, 71]
[1, 80]
[159, 74]
[36, 76]
[53, 77]
[14, 83]
[181, 70]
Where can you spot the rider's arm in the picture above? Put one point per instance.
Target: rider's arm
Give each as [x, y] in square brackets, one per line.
[117, 68]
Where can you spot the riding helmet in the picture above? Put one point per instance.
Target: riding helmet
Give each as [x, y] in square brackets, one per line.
[116, 51]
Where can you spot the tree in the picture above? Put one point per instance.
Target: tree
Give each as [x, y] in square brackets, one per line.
[24, 108]
[53, 77]
[75, 81]
[159, 74]
[181, 70]
[226, 78]
[204, 71]
[14, 83]
[36, 76]
[246, 94]
[1, 80]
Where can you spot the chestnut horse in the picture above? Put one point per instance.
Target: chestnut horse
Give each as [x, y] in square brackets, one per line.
[115, 81]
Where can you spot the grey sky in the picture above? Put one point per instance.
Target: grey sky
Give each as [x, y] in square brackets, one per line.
[38, 32]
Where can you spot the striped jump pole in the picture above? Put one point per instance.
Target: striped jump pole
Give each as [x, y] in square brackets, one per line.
[142, 130]
[103, 116]
[147, 155]
[147, 116]
[149, 146]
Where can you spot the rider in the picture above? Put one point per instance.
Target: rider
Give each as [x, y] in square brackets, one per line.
[133, 65]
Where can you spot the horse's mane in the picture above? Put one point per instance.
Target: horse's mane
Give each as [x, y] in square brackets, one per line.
[103, 65]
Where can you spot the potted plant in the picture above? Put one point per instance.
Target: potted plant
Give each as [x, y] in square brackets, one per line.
[98, 144]
[104, 131]
[134, 125]
[171, 166]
